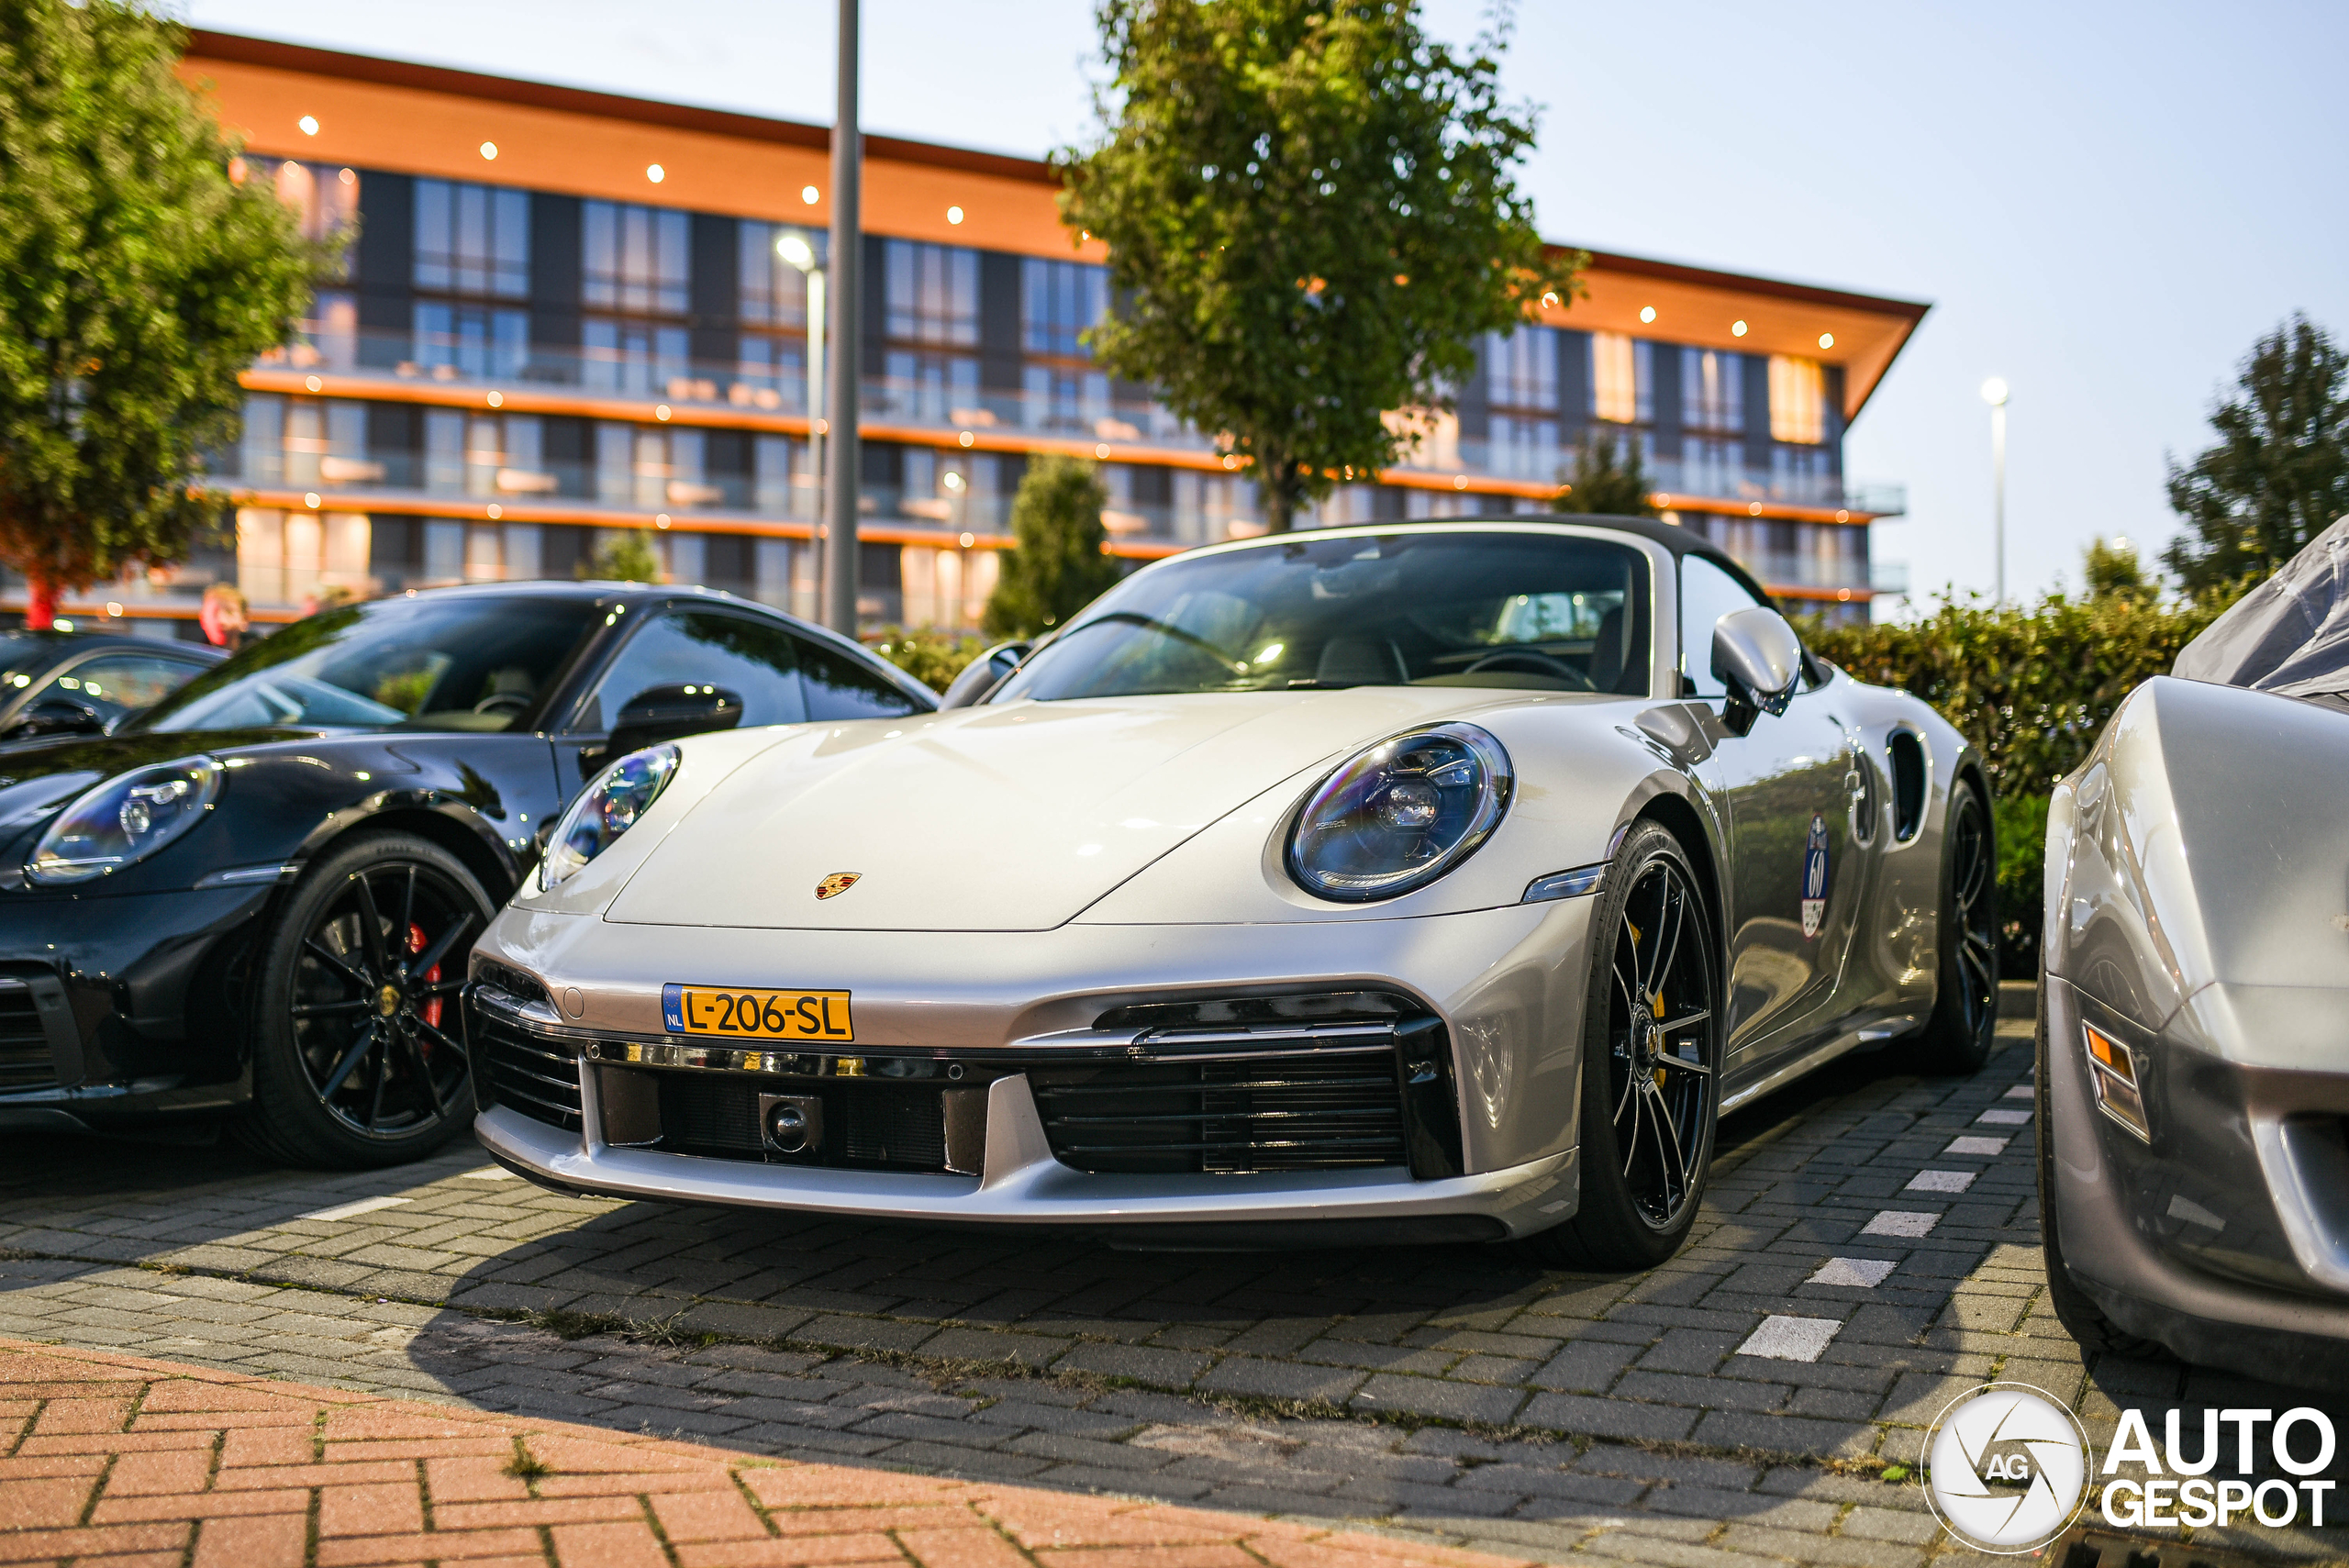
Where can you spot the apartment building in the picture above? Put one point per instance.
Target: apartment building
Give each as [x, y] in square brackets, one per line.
[567, 316]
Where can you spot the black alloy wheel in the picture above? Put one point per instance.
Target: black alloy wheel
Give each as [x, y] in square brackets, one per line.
[1651, 1049]
[359, 1056]
[1965, 1007]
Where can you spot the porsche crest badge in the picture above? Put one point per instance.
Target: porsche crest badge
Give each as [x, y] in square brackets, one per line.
[1814, 877]
[839, 882]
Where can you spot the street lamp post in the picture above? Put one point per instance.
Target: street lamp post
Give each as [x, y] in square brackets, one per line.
[1994, 392]
[840, 475]
[796, 252]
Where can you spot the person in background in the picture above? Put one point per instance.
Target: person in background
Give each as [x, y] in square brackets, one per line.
[223, 616]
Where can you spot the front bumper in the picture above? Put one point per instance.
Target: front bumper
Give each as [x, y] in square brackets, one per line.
[114, 1009]
[1022, 1183]
[2224, 1239]
[1479, 1098]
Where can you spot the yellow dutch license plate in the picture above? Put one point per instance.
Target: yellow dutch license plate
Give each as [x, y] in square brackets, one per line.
[749, 1013]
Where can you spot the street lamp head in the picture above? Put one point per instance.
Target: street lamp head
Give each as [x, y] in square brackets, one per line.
[796, 251]
[1994, 392]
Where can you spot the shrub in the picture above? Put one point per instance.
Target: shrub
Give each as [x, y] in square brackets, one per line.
[2030, 687]
[934, 658]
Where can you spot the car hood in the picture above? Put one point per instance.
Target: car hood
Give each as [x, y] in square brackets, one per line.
[992, 818]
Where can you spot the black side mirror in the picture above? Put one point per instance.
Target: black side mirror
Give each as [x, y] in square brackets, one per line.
[985, 672]
[56, 715]
[670, 713]
[1757, 655]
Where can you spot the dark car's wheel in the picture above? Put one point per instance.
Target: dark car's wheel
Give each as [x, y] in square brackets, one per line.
[1652, 1055]
[1957, 1038]
[2082, 1318]
[359, 1055]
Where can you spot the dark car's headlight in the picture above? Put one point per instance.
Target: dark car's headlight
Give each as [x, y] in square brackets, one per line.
[124, 820]
[1400, 813]
[604, 810]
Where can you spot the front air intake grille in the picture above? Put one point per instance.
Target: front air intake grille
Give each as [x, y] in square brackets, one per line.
[884, 1126]
[534, 1077]
[25, 1059]
[1274, 1109]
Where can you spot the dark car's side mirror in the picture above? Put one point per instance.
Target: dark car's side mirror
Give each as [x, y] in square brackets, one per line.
[55, 716]
[1758, 656]
[670, 713]
[983, 674]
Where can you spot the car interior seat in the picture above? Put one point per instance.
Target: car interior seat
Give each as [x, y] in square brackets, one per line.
[1361, 661]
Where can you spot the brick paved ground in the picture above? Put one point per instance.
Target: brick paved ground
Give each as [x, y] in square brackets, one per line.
[122, 1460]
[1878, 1231]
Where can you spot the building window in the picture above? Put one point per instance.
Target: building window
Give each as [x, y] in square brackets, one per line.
[1521, 384]
[631, 356]
[635, 259]
[475, 341]
[1712, 391]
[937, 388]
[1622, 379]
[472, 239]
[1521, 369]
[1711, 465]
[1063, 398]
[774, 293]
[1797, 400]
[1060, 301]
[932, 293]
[1800, 473]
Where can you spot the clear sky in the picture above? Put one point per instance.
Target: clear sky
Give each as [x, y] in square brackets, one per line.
[2106, 204]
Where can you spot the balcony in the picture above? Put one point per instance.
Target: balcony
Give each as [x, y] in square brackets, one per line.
[933, 409]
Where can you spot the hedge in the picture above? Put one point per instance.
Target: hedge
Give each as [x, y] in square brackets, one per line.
[2031, 687]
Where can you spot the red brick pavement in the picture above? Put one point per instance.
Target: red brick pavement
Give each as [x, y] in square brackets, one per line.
[117, 1460]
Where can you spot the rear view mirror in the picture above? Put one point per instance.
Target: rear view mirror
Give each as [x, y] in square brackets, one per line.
[1757, 655]
[670, 713]
[55, 716]
[983, 674]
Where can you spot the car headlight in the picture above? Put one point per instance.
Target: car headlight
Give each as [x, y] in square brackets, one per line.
[124, 820]
[604, 810]
[1400, 813]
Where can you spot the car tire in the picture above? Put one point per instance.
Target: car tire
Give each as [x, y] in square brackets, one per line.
[1965, 1022]
[1651, 1051]
[2081, 1316]
[358, 1058]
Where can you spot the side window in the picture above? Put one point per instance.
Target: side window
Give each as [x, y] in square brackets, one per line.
[840, 687]
[117, 683]
[757, 661]
[1706, 594]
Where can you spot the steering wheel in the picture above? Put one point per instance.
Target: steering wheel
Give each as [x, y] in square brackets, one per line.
[1525, 662]
[502, 702]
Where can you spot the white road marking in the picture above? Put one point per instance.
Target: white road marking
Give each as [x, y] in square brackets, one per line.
[352, 1210]
[1977, 1146]
[1940, 1181]
[489, 1174]
[1995, 1116]
[2020, 1092]
[1865, 1272]
[1900, 1222]
[1785, 1339]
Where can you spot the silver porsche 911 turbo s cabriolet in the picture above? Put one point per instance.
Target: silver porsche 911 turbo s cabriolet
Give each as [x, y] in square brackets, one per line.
[1401, 882]
[2193, 1082]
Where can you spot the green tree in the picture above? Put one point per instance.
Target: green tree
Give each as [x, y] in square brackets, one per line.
[2278, 474]
[1312, 217]
[1610, 477]
[627, 556]
[137, 277]
[1058, 567]
[2113, 571]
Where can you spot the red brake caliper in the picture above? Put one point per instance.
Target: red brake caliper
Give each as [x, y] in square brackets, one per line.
[430, 1011]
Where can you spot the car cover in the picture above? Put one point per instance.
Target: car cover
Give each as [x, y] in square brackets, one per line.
[2290, 635]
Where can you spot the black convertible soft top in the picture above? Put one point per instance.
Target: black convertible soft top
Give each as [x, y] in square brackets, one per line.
[2290, 635]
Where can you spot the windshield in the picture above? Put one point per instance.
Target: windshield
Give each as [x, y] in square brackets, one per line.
[474, 663]
[1543, 612]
